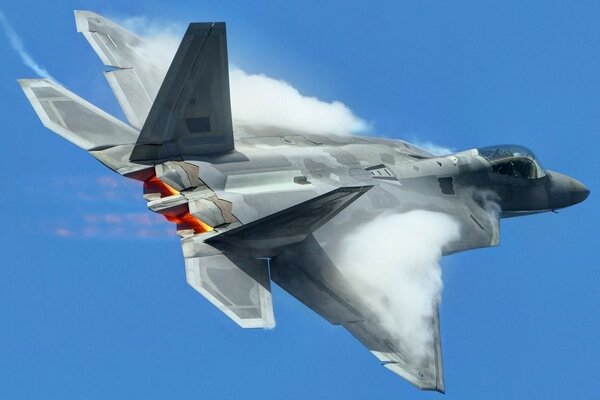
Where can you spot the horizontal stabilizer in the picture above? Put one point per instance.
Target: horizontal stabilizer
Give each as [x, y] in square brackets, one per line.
[191, 115]
[82, 123]
[238, 286]
[73, 118]
[288, 226]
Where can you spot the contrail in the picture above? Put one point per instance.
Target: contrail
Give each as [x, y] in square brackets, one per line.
[17, 45]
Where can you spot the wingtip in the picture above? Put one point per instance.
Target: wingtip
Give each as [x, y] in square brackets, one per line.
[23, 83]
[437, 388]
[440, 388]
[28, 82]
[84, 14]
[82, 18]
[426, 383]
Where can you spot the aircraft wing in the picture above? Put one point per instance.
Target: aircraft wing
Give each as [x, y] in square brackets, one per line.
[229, 268]
[426, 374]
[306, 272]
[300, 265]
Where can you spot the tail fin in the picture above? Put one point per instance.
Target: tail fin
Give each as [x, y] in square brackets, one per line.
[191, 115]
[138, 76]
[82, 123]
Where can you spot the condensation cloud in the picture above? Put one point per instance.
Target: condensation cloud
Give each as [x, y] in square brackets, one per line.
[393, 262]
[433, 148]
[258, 102]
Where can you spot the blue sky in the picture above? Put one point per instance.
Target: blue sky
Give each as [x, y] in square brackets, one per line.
[104, 315]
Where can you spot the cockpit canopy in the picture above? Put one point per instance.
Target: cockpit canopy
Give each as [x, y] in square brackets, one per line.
[513, 160]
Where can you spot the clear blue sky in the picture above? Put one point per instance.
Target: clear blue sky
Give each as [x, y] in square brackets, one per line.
[106, 316]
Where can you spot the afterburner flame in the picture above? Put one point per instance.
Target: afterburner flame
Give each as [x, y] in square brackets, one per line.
[180, 214]
[155, 185]
[188, 221]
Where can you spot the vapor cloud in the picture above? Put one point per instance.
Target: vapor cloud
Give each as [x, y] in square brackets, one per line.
[160, 43]
[19, 48]
[258, 101]
[393, 262]
[433, 148]
[490, 202]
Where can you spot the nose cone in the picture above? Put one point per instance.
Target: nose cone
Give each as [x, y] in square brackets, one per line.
[579, 192]
[564, 191]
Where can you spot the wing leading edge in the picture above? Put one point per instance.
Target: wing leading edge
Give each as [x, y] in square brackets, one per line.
[302, 267]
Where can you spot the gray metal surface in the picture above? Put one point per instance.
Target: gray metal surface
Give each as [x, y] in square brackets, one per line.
[191, 115]
[306, 272]
[238, 286]
[136, 78]
[75, 119]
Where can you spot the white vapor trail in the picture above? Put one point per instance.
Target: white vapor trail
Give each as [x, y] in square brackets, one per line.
[258, 102]
[433, 148]
[393, 262]
[17, 45]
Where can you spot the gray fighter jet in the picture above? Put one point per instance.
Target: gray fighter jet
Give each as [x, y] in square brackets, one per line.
[256, 207]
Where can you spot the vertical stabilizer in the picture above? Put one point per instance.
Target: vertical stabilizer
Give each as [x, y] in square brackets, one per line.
[191, 115]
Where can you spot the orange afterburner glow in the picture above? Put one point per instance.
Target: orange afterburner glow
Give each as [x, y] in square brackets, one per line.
[155, 185]
[188, 221]
[179, 214]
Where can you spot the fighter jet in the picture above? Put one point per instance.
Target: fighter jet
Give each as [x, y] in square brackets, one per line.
[253, 208]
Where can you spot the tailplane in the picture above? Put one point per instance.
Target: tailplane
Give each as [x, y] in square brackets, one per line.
[187, 117]
[82, 123]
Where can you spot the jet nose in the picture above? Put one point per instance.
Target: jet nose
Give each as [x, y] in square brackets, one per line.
[564, 191]
[579, 192]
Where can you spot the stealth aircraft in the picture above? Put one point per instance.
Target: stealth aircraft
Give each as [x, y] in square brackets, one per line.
[253, 208]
